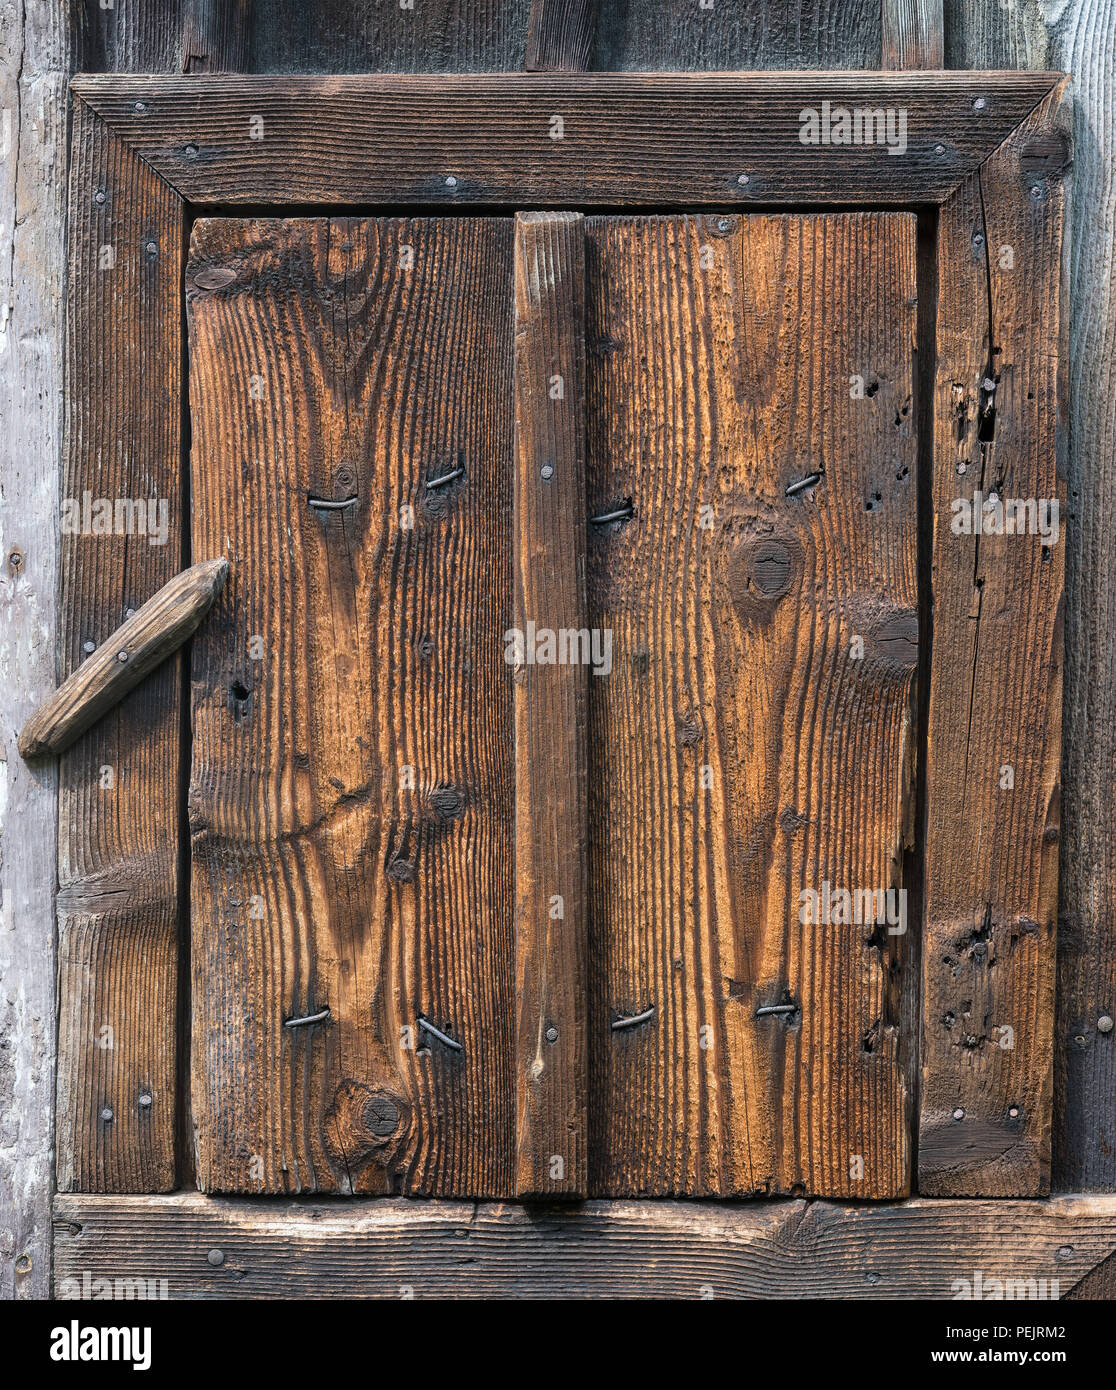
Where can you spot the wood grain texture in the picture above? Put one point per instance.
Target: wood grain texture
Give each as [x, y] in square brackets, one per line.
[628, 139]
[550, 705]
[140, 644]
[216, 35]
[351, 797]
[754, 739]
[711, 35]
[35, 49]
[560, 35]
[913, 34]
[756, 1250]
[996, 678]
[1085, 1056]
[118, 791]
[346, 36]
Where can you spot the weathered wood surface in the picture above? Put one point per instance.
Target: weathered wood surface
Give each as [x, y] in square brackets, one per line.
[753, 741]
[560, 35]
[1084, 38]
[625, 139]
[118, 797]
[351, 795]
[35, 51]
[913, 34]
[550, 706]
[140, 644]
[993, 795]
[226, 1248]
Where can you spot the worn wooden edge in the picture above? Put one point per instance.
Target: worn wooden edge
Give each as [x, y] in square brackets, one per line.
[913, 34]
[624, 139]
[138, 645]
[243, 1248]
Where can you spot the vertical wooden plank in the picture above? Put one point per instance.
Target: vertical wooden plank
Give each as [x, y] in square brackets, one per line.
[35, 54]
[913, 34]
[750, 399]
[560, 35]
[119, 786]
[1085, 1041]
[550, 704]
[351, 795]
[215, 35]
[993, 798]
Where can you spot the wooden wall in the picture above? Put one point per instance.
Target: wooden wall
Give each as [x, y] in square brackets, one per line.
[41, 44]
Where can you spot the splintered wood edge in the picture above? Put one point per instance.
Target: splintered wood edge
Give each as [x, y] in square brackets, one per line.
[917, 1249]
[118, 665]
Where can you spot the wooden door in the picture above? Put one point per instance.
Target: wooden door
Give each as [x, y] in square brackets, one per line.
[689, 438]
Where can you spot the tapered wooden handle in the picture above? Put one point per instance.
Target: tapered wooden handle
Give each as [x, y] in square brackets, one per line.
[118, 665]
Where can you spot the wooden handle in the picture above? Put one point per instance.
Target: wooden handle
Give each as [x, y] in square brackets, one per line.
[118, 665]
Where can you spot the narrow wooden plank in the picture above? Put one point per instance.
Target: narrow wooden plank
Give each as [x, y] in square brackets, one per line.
[993, 798]
[753, 742]
[1085, 1044]
[552, 649]
[35, 58]
[351, 794]
[913, 34]
[622, 139]
[215, 35]
[118, 790]
[560, 35]
[756, 1250]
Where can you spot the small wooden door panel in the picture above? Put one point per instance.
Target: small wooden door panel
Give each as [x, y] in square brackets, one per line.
[352, 781]
[370, 1014]
[750, 400]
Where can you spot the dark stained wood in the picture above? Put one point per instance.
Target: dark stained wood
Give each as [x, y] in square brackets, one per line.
[627, 139]
[744, 750]
[346, 36]
[913, 34]
[996, 679]
[560, 35]
[710, 35]
[461, 1250]
[351, 796]
[215, 35]
[140, 644]
[550, 705]
[118, 790]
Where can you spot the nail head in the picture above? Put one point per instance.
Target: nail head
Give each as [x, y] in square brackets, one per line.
[552, 1034]
[216, 1257]
[1104, 1024]
[546, 471]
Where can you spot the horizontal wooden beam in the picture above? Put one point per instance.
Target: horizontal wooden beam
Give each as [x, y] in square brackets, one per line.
[217, 1248]
[567, 140]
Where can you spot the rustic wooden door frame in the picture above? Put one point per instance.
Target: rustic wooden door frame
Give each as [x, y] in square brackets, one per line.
[984, 158]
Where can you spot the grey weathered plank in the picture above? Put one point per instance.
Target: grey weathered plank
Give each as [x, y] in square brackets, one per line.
[550, 707]
[118, 800]
[993, 747]
[392, 1248]
[913, 34]
[35, 53]
[628, 139]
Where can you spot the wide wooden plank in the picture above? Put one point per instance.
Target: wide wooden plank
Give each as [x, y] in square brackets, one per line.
[552, 651]
[613, 139]
[36, 51]
[210, 1248]
[351, 796]
[750, 398]
[993, 799]
[118, 809]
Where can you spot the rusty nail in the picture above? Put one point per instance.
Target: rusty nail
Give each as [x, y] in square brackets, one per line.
[776, 1009]
[325, 504]
[619, 1023]
[428, 1027]
[621, 513]
[319, 1017]
[803, 483]
[445, 478]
